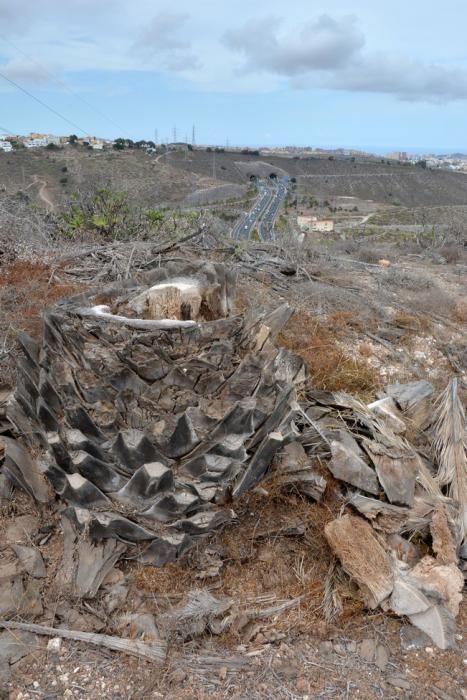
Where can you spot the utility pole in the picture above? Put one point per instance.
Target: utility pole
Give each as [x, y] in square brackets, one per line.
[174, 134]
[193, 136]
[156, 137]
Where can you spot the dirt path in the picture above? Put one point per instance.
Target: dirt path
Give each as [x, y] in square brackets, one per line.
[42, 194]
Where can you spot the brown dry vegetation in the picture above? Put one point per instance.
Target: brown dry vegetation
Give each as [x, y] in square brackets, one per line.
[260, 558]
[318, 343]
[460, 312]
[26, 289]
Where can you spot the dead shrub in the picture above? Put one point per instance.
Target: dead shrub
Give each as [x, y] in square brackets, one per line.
[460, 311]
[433, 301]
[372, 254]
[452, 253]
[329, 367]
[344, 320]
[405, 279]
[406, 321]
[365, 349]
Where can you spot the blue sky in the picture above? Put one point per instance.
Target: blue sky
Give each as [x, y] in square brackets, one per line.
[368, 74]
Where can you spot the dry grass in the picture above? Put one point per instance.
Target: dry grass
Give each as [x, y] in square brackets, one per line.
[171, 580]
[365, 349]
[410, 322]
[320, 345]
[261, 559]
[26, 289]
[460, 311]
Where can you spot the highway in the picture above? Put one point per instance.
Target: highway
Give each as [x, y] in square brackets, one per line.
[264, 211]
[266, 227]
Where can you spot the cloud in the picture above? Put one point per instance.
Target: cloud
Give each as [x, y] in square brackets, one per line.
[25, 73]
[20, 15]
[163, 32]
[262, 55]
[163, 41]
[325, 44]
[406, 78]
[330, 53]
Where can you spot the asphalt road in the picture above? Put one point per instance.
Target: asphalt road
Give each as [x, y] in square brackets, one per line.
[264, 211]
[266, 227]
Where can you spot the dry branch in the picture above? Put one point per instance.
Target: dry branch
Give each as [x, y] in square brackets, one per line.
[155, 652]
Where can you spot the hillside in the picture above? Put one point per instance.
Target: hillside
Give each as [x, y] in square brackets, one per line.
[148, 182]
[409, 186]
[200, 177]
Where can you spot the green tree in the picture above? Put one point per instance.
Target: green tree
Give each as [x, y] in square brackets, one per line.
[72, 140]
[119, 144]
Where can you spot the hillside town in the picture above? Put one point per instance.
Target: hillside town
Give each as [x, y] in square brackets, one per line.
[454, 161]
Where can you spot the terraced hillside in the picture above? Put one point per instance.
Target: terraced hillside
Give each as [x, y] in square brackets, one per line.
[408, 186]
[200, 177]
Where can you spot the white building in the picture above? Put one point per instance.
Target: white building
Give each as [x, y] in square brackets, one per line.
[5, 146]
[310, 224]
[40, 140]
[35, 143]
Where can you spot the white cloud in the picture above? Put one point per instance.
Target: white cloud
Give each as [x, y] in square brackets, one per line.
[209, 49]
[329, 53]
[323, 44]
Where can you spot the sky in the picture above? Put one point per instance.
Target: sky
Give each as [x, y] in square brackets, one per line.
[367, 74]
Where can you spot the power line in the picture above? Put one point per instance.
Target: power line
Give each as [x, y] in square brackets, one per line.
[51, 109]
[60, 82]
[7, 131]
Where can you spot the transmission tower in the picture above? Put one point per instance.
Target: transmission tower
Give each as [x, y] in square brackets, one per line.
[156, 137]
[193, 135]
[174, 134]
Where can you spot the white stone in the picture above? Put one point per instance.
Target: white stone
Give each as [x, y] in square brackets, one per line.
[54, 645]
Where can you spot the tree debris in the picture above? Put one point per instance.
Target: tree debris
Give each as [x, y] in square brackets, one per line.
[155, 652]
[149, 408]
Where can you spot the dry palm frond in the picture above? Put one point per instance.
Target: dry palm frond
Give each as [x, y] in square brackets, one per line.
[377, 426]
[450, 447]
[427, 481]
[332, 603]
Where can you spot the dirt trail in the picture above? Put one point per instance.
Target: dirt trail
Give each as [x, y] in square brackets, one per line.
[42, 194]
